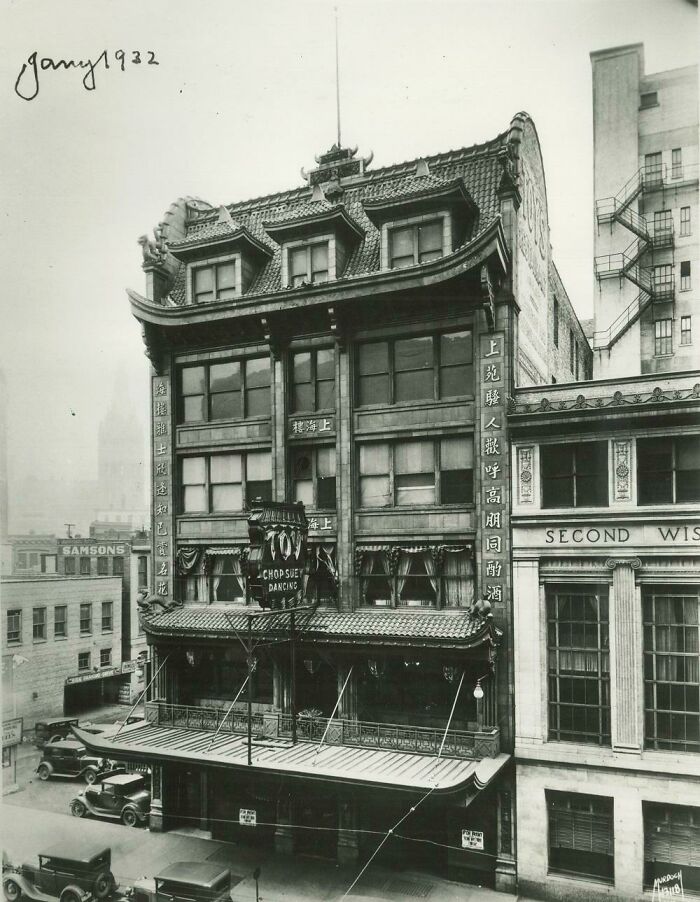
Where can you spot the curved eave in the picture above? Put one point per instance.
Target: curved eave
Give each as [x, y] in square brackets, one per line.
[488, 244]
[189, 250]
[339, 216]
[319, 764]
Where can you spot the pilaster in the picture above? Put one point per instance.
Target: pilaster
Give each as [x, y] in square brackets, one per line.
[284, 837]
[626, 665]
[343, 404]
[348, 845]
[529, 652]
[155, 819]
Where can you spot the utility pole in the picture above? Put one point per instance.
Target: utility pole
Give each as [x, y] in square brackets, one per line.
[250, 690]
[293, 687]
[68, 526]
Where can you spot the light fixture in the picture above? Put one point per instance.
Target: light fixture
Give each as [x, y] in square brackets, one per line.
[478, 691]
[376, 667]
[412, 664]
[312, 665]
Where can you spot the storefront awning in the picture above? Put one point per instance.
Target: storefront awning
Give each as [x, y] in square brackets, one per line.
[304, 760]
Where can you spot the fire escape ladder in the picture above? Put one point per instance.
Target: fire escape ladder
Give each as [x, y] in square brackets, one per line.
[605, 339]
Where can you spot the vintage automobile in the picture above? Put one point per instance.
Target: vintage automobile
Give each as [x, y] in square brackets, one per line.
[71, 871]
[186, 881]
[118, 796]
[59, 728]
[69, 758]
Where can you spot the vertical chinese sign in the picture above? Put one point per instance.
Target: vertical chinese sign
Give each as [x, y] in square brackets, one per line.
[494, 471]
[163, 549]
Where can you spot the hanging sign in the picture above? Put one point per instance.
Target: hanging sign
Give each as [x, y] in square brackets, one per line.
[277, 561]
[247, 817]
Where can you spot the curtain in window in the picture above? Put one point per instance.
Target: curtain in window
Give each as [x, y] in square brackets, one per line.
[458, 581]
[369, 561]
[217, 571]
[429, 563]
[403, 571]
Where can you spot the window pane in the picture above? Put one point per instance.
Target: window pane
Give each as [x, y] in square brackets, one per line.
[325, 364]
[374, 358]
[319, 258]
[226, 498]
[193, 470]
[203, 279]
[414, 386]
[414, 457]
[456, 348]
[193, 409]
[688, 468]
[456, 486]
[302, 367]
[301, 464]
[429, 241]
[304, 491]
[297, 262]
[415, 488]
[193, 380]
[402, 246]
[325, 462]
[374, 390]
[325, 395]
[374, 459]
[258, 489]
[226, 406]
[456, 453]
[258, 402]
[194, 498]
[226, 275]
[304, 397]
[654, 470]
[374, 491]
[258, 465]
[225, 468]
[225, 376]
[257, 372]
[456, 381]
[325, 490]
[413, 353]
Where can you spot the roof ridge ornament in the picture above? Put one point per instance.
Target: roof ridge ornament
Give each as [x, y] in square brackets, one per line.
[422, 168]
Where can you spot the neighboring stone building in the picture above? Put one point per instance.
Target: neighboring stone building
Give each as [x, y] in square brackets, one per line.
[140, 581]
[606, 541]
[61, 648]
[645, 132]
[32, 555]
[349, 344]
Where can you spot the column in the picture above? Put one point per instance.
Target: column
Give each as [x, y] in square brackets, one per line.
[348, 844]
[279, 424]
[530, 663]
[347, 710]
[626, 665]
[155, 820]
[343, 438]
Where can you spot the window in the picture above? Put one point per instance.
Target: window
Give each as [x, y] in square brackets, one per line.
[572, 349]
[21, 560]
[685, 275]
[308, 263]
[84, 660]
[668, 469]
[671, 678]
[214, 283]
[578, 664]
[417, 472]
[313, 477]
[102, 566]
[415, 369]
[648, 99]
[322, 586]
[7, 757]
[230, 390]
[652, 168]
[662, 280]
[222, 482]
[14, 626]
[437, 576]
[105, 657]
[86, 618]
[39, 624]
[118, 566]
[107, 616]
[85, 566]
[686, 337]
[685, 222]
[48, 563]
[663, 337]
[34, 559]
[671, 843]
[556, 323]
[142, 571]
[577, 359]
[69, 566]
[412, 244]
[60, 621]
[676, 163]
[581, 835]
[313, 380]
[663, 226]
[574, 475]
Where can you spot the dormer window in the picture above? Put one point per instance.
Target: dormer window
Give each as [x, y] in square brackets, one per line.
[308, 263]
[418, 243]
[214, 282]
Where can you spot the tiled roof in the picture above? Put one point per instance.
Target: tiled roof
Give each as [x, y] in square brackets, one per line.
[415, 186]
[327, 625]
[478, 168]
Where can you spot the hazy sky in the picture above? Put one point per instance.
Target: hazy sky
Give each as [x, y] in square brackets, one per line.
[243, 96]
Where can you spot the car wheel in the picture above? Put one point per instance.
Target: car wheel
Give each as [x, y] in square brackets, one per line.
[103, 885]
[69, 895]
[56, 738]
[129, 818]
[13, 891]
[44, 772]
[90, 776]
[77, 809]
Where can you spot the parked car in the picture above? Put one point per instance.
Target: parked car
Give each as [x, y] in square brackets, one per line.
[51, 730]
[74, 870]
[186, 881]
[69, 758]
[118, 796]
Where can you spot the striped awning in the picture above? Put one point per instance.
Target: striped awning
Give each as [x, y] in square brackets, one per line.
[224, 549]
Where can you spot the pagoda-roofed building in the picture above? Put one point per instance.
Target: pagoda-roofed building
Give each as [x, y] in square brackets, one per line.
[349, 344]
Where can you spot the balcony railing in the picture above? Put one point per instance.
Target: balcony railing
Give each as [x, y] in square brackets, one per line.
[358, 733]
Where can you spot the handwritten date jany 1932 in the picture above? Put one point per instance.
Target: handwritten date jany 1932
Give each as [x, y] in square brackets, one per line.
[27, 84]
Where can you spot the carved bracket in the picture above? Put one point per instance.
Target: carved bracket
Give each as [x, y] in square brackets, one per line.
[338, 327]
[154, 349]
[634, 563]
[274, 335]
[621, 469]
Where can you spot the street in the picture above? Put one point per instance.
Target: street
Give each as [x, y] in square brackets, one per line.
[37, 814]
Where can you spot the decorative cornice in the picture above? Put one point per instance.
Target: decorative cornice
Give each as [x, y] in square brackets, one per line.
[616, 401]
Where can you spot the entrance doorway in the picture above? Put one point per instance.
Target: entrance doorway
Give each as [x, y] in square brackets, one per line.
[317, 833]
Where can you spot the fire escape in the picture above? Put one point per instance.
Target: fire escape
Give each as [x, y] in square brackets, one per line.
[654, 285]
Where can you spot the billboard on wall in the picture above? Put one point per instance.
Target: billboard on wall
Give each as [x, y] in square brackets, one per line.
[278, 552]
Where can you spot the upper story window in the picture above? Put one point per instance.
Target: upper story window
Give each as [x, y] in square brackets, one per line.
[430, 367]
[417, 243]
[653, 168]
[686, 333]
[313, 477]
[60, 621]
[85, 566]
[648, 99]
[415, 580]
[21, 560]
[676, 163]
[663, 337]
[668, 469]
[118, 566]
[221, 482]
[685, 275]
[48, 563]
[86, 618]
[574, 475]
[143, 571]
[102, 566]
[308, 263]
[39, 624]
[14, 626]
[83, 660]
[107, 616]
[69, 566]
[423, 471]
[663, 226]
[685, 222]
[230, 390]
[581, 835]
[313, 378]
[214, 282]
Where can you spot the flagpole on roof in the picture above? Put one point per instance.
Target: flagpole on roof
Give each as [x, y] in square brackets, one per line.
[337, 76]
